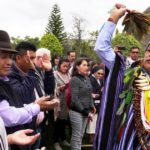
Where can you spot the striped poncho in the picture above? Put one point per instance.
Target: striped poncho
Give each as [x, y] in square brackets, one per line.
[107, 136]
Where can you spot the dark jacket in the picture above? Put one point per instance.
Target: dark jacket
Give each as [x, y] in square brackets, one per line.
[7, 93]
[23, 84]
[96, 89]
[81, 94]
[46, 80]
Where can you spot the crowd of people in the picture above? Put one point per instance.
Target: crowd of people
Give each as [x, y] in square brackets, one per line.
[32, 88]
[103, 97]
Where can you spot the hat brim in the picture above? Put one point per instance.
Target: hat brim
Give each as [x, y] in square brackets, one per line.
[8, 50]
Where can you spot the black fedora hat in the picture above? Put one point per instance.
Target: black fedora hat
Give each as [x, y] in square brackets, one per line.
[5, 44]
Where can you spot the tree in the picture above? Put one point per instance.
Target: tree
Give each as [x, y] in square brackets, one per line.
[79, 31]
[35, 40]
[94, 35]
[16, 40]
[127, 41]
[87, 49]
[50, 42]
[55, 24]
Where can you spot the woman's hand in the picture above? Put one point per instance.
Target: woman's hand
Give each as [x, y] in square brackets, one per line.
[94, 110]
[62, 88]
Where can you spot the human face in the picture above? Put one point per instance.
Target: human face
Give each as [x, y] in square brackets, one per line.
[23, 62]
[64, 67]
[72, 56]
[56, 61]
[134, 54]
[83, 68]
[5, 63]
[99, 74]
[117, 50]
[146, 60]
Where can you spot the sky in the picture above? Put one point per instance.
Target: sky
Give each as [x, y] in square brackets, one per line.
[30, 17]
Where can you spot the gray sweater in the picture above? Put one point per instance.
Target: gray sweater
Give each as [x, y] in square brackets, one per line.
[81, 94]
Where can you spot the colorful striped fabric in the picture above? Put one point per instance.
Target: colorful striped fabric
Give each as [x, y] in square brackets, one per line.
[105, 136]
[109, 105]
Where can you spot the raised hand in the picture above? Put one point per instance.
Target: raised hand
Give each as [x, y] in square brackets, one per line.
[118, 12]
[29, 61]
[45, 62]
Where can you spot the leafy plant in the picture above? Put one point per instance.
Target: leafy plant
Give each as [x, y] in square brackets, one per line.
[50, 41]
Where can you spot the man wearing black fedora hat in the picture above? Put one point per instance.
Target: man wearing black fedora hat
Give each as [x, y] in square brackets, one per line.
[12, 111]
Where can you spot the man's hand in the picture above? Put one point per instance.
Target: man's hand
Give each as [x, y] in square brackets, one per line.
[29, 61]
[45, 62]
[21, 137]
[142, 82]
[46, 104]
[118, 12]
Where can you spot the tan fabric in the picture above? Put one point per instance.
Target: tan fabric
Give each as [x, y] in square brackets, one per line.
[62, 79]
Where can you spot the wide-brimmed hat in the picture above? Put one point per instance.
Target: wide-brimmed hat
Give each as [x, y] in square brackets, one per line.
[5, 44]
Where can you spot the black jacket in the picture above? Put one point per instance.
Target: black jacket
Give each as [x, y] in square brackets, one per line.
[96, 89]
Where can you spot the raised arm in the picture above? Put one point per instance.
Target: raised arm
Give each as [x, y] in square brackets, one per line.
[103, 44]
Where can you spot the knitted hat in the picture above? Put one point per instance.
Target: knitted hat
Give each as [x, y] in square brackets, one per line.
[5, 44]
[95, 69]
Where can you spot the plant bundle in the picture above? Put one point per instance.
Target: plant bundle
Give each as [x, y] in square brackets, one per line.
[136, 23]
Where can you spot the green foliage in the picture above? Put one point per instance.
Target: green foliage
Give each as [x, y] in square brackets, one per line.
[127, 41]
[50, 41]
[35, 41]
[86, 48]
[78, 32]
[16, 40]
[55, 24]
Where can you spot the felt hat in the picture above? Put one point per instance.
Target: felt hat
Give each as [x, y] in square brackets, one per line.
[5, 44]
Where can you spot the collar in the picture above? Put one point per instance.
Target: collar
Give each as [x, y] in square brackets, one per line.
[4, 78]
